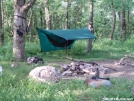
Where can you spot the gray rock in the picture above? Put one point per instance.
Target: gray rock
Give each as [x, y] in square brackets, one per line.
[98, 83]
[72, 66]
[132, 89]
[67, 73]
[101, 83]
[47, 74]
[74, 74]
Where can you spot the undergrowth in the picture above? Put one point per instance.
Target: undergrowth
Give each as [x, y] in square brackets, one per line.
[15, 85]
[13, 88]
[102, 50]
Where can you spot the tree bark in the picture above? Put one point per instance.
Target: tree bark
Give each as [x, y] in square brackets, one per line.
[52, 21]
[35, 20]
[41, 18]
[30, 25]
[119, 15]
[90, 27]
[20, 12]
[1, 26]
[67, 23]
[128, 22]
[47, 15]
[113, 22]
[30, 20]
[123, 25]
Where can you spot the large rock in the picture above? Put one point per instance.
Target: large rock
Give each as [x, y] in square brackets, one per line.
[46, 74]
[132, 89]
[98, 83]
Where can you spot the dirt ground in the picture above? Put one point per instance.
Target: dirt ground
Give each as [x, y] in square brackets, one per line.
[118, 71]
[113, 70]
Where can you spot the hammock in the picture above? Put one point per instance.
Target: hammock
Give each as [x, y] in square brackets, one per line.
[51, 40]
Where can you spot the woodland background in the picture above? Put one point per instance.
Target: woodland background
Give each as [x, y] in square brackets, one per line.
[112, 19]
[112, 22]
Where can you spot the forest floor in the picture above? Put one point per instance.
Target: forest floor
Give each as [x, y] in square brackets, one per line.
[113, 70]
[122, 71]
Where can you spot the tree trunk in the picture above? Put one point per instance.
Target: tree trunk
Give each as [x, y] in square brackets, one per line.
[30, 25]
[123, 26]
[35, 20]
[90, 27]
[128, 22]
[52, 21]
[20, 12]
[67, 25]
[41, 18]
[119, 15]
[113, 22]
[47, 15]
[1, 26]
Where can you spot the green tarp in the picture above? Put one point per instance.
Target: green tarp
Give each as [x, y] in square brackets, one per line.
[61, 39]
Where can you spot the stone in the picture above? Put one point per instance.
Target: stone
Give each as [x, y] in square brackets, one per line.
[74, 74]
[72, 66]
[81, 67]
[88, 65]
[67, 73]
[98, 83]
[47, 74]
[132, 89]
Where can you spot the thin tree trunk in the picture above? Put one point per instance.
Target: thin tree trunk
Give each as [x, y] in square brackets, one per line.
[123, 25]
[47, 15]
[128, 13]
[128, 22]
[52, 21]
[80, 16]
[41, 18]
[20, 12]
[35, 20]
[119, 15]
[2, 19]
[113, 22]
[67, 23]
[1, 26]
[30, 25]
[90, 27]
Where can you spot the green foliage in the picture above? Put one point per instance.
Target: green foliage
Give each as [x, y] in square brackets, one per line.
[14, 87]
[6, 51]
[102, 49]
[32, 48]
[79, 47]
[78, 15]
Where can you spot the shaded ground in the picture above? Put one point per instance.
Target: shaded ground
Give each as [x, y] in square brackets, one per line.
[121, 70]
[113, 70]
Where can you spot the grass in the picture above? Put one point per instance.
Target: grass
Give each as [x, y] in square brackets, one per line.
[103, 49]
[15, 85]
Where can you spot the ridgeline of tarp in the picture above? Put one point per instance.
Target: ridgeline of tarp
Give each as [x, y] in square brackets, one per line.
[61, 39]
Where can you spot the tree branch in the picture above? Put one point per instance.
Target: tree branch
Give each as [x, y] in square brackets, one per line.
[15, 2]
[28, 5]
